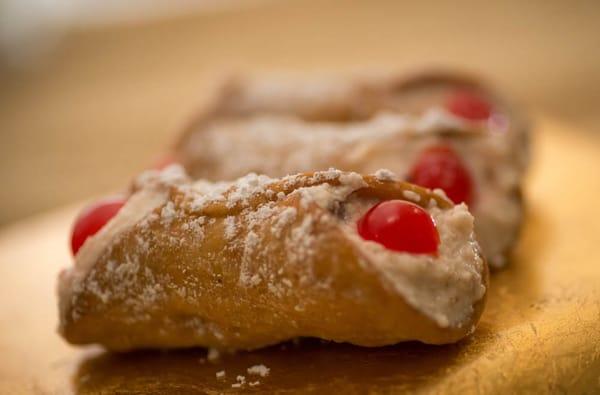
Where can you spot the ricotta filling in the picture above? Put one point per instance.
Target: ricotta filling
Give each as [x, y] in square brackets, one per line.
[444, 287]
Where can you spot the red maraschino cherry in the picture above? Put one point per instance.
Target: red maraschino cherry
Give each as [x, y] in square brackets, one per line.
[400, 226]
[469, 105]
[440, 166]
[92, 219]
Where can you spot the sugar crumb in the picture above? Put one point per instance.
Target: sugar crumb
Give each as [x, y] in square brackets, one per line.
[385, 175]
[220, 374]
[260, 370]
[213, 354]
[168, 212]
[241, 380]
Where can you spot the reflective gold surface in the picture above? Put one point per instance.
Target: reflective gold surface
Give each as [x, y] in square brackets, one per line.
[540, 332]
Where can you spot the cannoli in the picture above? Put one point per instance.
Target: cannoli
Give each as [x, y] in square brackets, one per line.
[435, 130]
[339, 256]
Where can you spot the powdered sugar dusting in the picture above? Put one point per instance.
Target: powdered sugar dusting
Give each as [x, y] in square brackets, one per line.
[171, 175]
[168, 212]
[325, 194]
[230, 228]
[385, 175]
[285, 218]
[248, 186]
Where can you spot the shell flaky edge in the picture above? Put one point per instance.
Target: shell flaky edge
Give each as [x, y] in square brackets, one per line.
[146, 289]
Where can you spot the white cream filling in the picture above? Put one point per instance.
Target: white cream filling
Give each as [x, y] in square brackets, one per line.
[443, 287]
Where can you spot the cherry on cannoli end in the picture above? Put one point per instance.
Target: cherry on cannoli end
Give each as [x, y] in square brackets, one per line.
[469, 105]
[92, 219]
[439, 166]
[400, 226]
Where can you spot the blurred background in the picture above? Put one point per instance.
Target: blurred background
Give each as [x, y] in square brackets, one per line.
[91, 91]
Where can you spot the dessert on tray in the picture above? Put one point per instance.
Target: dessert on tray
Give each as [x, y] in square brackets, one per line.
[437, 130]
[239, 265]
